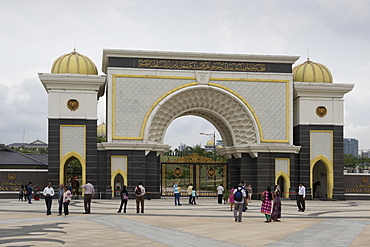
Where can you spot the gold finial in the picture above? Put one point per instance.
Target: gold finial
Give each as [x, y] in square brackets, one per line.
[308, 54]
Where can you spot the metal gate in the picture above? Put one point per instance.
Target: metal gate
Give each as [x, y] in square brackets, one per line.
[204, 173]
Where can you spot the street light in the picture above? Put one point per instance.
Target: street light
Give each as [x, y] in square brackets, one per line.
[212, 136]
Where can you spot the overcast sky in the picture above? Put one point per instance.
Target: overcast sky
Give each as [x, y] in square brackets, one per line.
[34, 33]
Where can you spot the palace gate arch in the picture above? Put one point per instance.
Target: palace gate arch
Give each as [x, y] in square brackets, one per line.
[252, 100]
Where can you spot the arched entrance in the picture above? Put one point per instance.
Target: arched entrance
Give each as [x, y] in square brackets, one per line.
[319, 182]
[321, 177]
[73, 175]
[118, 183]
[281, 183]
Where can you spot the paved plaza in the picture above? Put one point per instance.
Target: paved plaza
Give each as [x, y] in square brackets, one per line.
[324, 223]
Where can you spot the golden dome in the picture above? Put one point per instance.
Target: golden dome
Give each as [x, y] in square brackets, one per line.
[219, 146]
[74, 63]
[210, 143]
[102, 129]
[312, 72]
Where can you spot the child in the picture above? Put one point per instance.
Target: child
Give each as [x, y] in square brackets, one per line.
[193, 197]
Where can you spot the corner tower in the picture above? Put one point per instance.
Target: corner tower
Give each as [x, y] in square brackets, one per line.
[73, 88]
[318, 106]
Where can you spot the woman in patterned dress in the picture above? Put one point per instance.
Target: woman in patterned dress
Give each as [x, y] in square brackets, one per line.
[266, 199]
[276, 209]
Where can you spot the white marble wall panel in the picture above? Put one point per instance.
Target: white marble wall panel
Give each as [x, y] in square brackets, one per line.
[118, 162]
[134, 97]
[321, 144]
[73, 139]
[269, 101]
[281, 165]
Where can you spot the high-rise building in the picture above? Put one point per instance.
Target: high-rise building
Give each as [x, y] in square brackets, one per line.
[350, 146]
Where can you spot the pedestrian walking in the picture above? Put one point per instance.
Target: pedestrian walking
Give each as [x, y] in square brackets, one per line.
[67, 197]
[220, 193]
[301, 195]
[176, 193]
[48, 194]
[250, 192]
[276, 209]
[266, 199]
[29, 192]
[20, 193]
[60, 199]
[193, 194]
[124, 199]
[139, 193]
[88, 195]
[231, 198]
[239, 197]
[189, 191]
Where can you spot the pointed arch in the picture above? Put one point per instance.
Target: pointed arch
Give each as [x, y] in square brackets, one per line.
[286, 184]
[330, 173]
[113, 176]
[63, 162]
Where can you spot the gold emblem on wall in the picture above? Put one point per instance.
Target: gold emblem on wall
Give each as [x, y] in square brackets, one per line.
[321, 111]
[177, 172]
[211, 172]
[73, 104]
[364, 180]
[12, 176]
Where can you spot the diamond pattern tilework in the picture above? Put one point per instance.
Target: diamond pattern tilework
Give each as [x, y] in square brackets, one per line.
[73, 139]
[134, 97]
[281, 165]
[211, 103]
[119, 162]
[268, 100]
[322, 144]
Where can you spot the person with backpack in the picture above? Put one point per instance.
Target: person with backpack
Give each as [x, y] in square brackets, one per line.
[239, 198]
[139, 193]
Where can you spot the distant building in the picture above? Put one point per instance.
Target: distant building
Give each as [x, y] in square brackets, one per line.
[182, 147]
[210, 146]
[350, 146]
[35, 146]
[17, 169]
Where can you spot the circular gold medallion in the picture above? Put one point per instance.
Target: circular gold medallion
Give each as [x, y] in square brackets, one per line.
[177, 172]
[364, 180]
[73, 104]
[211, 172]
[12, 176]
[321, 111]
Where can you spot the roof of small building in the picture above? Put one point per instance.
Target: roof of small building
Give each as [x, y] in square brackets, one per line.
[9, 157]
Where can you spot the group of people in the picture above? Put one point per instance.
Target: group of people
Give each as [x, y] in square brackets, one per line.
[26, 191]
[64, 196]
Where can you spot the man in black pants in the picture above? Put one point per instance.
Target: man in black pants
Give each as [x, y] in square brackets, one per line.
[48, 193]
[301, 195]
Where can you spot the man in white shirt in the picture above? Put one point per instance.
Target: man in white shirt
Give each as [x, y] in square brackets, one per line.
[48, 193]
[301, 198]
[139, 192]
[220, 193]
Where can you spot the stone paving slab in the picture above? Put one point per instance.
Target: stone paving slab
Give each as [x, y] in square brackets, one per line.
[325, 223]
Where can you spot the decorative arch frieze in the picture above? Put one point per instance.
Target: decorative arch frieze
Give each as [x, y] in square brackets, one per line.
[225, 111]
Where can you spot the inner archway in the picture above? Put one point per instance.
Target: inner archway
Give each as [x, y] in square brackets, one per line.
[229, 114]
[73, 175]
[281, 183]
[319, 181]
[118, 184]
